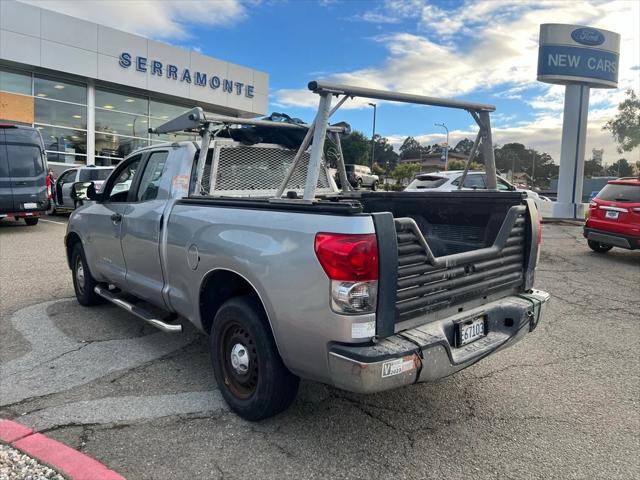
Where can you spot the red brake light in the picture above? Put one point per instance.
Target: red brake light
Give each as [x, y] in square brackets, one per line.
[352, 257]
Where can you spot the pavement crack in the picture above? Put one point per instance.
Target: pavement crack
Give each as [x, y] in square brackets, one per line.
[50, 360]
[532, 365]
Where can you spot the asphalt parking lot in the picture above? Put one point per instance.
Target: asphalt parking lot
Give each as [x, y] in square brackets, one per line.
[563, 403]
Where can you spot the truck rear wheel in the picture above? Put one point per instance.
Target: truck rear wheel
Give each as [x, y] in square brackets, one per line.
[249, 371]
[83, 281]
[599, 247]
[31, 221]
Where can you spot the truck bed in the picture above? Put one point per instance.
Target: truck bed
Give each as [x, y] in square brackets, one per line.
[455, 251]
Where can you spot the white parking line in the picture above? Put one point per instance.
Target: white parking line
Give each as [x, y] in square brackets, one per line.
[51, 221]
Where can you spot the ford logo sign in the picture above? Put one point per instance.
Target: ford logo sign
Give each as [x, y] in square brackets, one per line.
[587, 36]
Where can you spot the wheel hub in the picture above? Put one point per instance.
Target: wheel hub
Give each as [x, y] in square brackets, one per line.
[240, 359]
[80, 275]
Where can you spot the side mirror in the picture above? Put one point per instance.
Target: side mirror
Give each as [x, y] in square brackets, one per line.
[82, 191]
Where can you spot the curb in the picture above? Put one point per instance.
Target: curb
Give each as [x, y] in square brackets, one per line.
[66, 460]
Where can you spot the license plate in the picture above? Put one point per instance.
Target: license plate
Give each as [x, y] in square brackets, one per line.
[611, 214]
[31, 205]
[470, 331]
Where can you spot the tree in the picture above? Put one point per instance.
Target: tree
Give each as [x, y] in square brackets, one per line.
[592, 168]
[384, 154]
[405, 171]
[625, 126]
[464, 146]
[356, 148]
[455, 164]
[515, 157]
[621, 168]
[411, 148]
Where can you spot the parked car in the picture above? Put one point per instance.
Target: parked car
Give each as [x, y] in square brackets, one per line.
[23, 171]
[448, 181]
[614, 216]
[360, 176]
[365, 291]
[62, 188]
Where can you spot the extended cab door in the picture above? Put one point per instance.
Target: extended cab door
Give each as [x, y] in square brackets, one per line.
[141, 230]
[104, 222]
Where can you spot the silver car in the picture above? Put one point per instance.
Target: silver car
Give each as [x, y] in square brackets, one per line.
[450, 180]
[62, 200]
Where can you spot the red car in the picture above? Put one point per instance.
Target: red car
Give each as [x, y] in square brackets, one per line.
[614, 216]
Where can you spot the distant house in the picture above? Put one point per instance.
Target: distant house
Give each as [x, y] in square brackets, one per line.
[434, 162]
[521, 178]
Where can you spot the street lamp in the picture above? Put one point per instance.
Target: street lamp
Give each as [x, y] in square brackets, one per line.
[446, 148]
[373, 144]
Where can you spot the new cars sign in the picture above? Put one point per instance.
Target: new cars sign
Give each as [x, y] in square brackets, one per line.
[575, 54]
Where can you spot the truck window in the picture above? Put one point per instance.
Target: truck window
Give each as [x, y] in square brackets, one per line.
[150, 182]
[122, 183]
[25, 161]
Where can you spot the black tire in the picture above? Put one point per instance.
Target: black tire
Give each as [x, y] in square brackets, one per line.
[259, 385]
[359, 184]
[374, 186]
[31, 221]
[83, 282]
[599, 247]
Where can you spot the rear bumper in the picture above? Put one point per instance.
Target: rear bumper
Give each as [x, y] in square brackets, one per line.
[427, 352]
[21, 214]
[612, 238]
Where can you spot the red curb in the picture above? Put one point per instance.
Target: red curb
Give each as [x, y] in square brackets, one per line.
[12, 431]
[68, 461]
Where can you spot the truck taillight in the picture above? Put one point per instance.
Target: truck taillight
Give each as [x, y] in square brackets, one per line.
[351, 263]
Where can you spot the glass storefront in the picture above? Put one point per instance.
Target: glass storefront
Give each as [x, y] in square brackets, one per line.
[58, 108]
[61, 117]
[122, 122]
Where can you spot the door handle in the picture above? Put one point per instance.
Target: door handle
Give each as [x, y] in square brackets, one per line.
[116, 218]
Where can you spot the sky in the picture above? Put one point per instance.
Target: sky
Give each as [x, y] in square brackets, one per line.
[483, 51]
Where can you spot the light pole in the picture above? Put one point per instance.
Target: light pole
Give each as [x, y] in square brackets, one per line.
[373, 143]
[446, 148]
[533, 167]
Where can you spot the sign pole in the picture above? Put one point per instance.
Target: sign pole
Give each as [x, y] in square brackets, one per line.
[574, 129]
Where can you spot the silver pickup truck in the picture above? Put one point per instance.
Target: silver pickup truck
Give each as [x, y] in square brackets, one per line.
[291, 278]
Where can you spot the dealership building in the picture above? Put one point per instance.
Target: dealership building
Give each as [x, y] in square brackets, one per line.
[93, 91]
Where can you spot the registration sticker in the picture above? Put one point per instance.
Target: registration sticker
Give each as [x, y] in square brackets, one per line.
[31, 205]
[180, 184]
[397, 366]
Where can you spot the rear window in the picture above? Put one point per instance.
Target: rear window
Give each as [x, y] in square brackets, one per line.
[22, 135]
[24, 161]
[349, 168]
[427, 181]
[613, 192]
[94, 174]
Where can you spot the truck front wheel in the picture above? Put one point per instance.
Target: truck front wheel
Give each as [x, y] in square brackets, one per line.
[83, 281]
[249, 371]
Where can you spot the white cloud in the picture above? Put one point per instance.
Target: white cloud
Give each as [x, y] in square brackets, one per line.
[169, 19]
[483, 46]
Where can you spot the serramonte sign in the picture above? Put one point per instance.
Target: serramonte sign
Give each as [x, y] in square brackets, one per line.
[174, 72]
